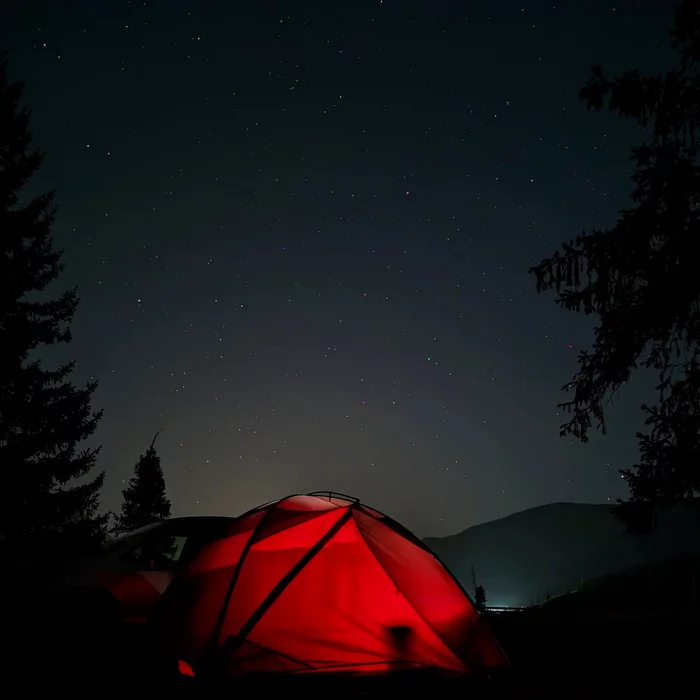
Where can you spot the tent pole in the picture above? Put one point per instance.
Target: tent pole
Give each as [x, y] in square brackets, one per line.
[233, 642]
[210, 647]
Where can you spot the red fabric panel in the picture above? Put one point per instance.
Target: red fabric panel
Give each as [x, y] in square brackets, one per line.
[303, 533]
[219, 554]
[268, 561]
[252, 657]
[342, 609]
[135, 594]
[306, 503]
[430, 588]
[279, 519]
[184, 668]
[244, 523]
[184, 620]
[208, 593]
[370, 511]
[187, 616]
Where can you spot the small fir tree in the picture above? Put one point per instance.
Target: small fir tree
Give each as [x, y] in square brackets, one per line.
[479, 594]
[145, 499]
[480, 598]
[43, 416]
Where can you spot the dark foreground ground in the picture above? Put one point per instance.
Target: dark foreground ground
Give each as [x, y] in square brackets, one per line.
[590, 653]
[553, 655]
[555, 652]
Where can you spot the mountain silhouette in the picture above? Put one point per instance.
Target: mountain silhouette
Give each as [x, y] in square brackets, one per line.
[542, 552]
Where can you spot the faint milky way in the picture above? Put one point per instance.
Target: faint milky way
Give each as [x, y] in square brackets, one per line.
[301, 234]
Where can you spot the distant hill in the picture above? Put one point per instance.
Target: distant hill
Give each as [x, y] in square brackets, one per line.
[549, 550]
[672, 586]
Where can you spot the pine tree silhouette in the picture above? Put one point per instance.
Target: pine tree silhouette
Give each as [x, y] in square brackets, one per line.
[480, 598]
[43, 416]
[640, 280]
[479, 593]
[145, 499]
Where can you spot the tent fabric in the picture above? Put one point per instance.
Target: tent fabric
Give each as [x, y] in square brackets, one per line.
[320, 583]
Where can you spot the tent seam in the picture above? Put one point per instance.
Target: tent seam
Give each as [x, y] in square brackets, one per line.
[221, 618]
[280, 653]
[274, 594]
[403, 531]
[405, 597]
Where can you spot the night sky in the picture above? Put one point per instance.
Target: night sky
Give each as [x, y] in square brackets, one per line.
[301, 235]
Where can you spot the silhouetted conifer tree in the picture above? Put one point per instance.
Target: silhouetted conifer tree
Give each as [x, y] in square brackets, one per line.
[640, 280]
[43, 416]
[479, 594]
[145, 499]
[480, 598]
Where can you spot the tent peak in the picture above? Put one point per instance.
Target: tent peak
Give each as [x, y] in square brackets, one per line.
[328, 495]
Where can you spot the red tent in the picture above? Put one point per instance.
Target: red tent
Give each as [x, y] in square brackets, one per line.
[321, 583]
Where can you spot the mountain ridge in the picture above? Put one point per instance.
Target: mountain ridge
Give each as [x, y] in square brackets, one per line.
[528, 556]
[540, 507]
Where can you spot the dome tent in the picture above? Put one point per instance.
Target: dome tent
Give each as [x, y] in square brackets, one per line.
[320, 582]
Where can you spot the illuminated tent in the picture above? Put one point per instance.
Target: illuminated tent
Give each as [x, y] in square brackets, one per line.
[320, 583]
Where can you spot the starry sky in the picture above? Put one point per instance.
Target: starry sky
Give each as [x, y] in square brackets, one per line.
[301, 234]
